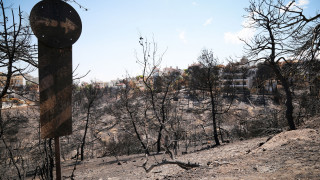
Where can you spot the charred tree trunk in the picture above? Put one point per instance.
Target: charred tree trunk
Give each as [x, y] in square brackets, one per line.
[139, 137]
[284, 81]
[85, 134]
[163, 116]
[159, 139]
[289, 105]
[214, 121]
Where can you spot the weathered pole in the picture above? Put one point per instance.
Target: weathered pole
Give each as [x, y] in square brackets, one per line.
[57, 157]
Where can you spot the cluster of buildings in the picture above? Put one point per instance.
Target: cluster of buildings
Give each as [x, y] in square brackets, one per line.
[18, 80]
[240, 75]
[137, 81]
[238, 78]
[237, 75]
[17, 83]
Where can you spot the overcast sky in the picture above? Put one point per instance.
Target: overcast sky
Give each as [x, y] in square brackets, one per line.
[111, 31]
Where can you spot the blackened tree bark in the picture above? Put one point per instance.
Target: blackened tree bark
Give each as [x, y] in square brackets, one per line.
[15, 48]
[206, 79]
[132, 105]
[214, 121]
[17, 57]
[91, 93]
[281, 33]
[161, 93]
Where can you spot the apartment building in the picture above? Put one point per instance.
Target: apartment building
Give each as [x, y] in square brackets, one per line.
[239, 79]
[15, 81]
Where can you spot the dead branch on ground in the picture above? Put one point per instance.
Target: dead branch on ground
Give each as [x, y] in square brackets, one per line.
[183, 165]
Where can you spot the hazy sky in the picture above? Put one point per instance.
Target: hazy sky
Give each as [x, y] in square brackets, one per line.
[111, 31]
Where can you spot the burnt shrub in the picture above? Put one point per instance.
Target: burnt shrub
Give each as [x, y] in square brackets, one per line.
[125, 145]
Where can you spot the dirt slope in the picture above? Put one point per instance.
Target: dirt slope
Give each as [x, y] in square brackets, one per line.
[288, 155]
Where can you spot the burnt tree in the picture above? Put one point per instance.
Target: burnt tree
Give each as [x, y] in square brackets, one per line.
[278, 26]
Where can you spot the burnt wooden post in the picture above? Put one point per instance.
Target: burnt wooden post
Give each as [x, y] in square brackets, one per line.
[57, 26]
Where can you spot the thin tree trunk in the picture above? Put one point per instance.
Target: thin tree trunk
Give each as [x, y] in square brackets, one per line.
[263, 97]
[85, 134]
[139, 138]
[11, 156]
[159, 139]
[135, 127]
[163, 120]
[215, 132]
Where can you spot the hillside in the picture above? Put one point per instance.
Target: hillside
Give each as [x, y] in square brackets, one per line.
[287, 155]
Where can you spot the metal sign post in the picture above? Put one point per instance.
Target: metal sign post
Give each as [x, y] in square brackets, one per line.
[57, 26]
[57, 157]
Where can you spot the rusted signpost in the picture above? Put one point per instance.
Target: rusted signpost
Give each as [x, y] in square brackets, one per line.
[57, 26]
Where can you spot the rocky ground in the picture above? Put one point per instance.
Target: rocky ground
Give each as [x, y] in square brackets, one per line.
[287, 155]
